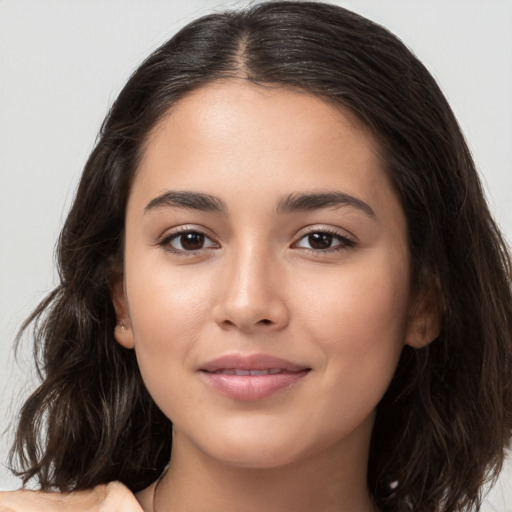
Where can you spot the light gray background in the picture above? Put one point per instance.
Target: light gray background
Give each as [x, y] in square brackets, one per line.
[63, 62]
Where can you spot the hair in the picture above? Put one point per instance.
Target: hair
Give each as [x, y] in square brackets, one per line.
[442, 428]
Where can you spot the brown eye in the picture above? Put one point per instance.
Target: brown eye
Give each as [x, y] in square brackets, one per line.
[324, 241]
[191, 241]
[188, 241]
[320, 240]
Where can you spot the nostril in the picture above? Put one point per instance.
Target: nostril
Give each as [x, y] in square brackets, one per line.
[265, 321]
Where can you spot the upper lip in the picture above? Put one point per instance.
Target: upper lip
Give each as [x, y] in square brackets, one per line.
[251, 362]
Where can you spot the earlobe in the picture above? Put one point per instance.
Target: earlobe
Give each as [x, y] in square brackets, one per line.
[123, 330]
[425, 318]
[123, 335]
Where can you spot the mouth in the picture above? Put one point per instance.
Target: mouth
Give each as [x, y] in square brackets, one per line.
[251, 377]
[239, 371]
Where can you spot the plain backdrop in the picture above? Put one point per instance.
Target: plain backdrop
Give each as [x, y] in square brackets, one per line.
[63, 62]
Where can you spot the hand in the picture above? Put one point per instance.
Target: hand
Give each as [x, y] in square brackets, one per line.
[113, 497]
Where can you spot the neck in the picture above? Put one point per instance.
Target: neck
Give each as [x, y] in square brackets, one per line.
[333, 480]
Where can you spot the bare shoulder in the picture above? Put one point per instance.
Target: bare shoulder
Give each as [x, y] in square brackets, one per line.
[113, 497]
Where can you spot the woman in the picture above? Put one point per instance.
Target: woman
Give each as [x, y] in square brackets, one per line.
[282, 228]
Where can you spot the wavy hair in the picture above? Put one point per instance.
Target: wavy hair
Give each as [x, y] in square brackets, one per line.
[442, 428]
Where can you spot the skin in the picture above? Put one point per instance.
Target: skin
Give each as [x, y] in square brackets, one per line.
[254, 283]
[258, 282]
[113, 497]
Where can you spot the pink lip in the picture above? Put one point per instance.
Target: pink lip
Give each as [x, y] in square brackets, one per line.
[251, 387]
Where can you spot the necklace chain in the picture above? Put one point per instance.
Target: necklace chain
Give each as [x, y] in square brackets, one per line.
[158, 482]
[164, 472]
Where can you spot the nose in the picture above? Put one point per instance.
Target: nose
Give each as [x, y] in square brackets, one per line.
[252, 295]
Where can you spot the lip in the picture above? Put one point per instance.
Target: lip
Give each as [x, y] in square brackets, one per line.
[220, 375]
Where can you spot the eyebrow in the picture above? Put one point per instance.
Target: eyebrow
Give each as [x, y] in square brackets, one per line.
[314, 201]
[186, 199]
[291, 203]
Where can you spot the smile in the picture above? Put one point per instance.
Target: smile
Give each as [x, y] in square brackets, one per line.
[253, 377]
[238, 371]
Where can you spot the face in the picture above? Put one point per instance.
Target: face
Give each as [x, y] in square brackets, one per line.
[266, 289]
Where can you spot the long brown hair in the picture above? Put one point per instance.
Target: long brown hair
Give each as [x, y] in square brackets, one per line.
[442, 427]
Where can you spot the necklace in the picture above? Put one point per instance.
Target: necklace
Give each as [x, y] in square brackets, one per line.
[160, 478]
[164, 472]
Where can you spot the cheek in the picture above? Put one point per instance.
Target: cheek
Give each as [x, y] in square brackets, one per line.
[163, 308]
[359, 326]
[167, 314]
[359, 321]
[358, 298]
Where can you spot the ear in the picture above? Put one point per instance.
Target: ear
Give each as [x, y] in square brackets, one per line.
[426, 316]
[123, 330]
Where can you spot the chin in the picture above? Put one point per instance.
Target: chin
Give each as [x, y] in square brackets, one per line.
[257, 451]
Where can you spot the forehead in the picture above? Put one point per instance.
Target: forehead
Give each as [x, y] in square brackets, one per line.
[223, 105]
[234, 134]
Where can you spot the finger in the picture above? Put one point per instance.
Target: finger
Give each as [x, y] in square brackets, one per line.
[114, 497]
[119, 499]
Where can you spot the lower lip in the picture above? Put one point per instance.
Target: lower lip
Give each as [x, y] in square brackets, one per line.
[251, 387]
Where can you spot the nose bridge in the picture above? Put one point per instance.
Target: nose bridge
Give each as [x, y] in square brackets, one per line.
[251, 294]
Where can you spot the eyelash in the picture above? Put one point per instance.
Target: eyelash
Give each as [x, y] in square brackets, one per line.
[345, 242]
[166, 241]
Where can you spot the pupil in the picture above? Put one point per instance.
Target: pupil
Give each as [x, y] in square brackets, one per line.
[192, 241]
[320, 240]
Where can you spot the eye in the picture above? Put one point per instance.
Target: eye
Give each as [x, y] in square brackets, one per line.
[187, 241]
[324, 241]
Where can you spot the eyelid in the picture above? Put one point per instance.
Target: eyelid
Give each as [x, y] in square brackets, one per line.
[165, 239]
[184, 228]
[348, 240]
[323, 228]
